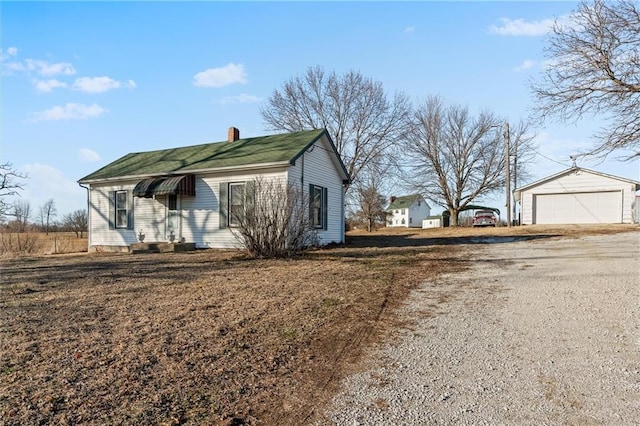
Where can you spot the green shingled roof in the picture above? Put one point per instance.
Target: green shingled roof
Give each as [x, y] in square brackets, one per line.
[243, 152]
[403, 202]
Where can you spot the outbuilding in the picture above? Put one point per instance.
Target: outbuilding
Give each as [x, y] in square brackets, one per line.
[577, 196]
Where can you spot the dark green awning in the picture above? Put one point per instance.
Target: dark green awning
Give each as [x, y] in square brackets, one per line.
[172, 185]
[177, 185]
[145, 188]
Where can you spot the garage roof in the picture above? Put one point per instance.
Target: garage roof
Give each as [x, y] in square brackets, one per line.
[518, 191]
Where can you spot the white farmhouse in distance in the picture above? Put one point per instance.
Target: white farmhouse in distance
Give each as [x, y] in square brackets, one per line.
[407, 211]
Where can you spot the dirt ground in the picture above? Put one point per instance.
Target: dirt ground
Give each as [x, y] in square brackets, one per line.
[211, 337]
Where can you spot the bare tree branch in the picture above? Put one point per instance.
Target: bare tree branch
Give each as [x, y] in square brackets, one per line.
[76, 221]
[595, 70]
[362, 121]
[275, 220]
[46, 214]
[10, 185]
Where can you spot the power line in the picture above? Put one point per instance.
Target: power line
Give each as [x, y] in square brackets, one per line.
[549, 158]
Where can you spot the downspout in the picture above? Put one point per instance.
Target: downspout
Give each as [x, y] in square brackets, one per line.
[302, 172]
[88, 216]
[302, 203]
[342, 226]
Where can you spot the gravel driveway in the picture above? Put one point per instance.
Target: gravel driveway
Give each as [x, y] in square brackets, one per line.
[537, 332]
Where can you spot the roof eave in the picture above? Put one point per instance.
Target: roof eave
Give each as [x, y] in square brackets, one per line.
[247, 167]
[346, 178]
[517, 192]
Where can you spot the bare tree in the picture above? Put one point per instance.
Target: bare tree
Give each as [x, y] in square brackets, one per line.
[372, 207]
[595, 69]
[46, 214]
[454, 158]
[275, 220]
[21, 212]
[522, 153]
[10, 184]
[359, 116]
[77, 222]
[368, 189]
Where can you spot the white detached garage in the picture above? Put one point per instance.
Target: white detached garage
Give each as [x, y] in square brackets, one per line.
[577, 196]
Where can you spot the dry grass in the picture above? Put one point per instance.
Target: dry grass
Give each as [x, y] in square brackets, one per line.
[38, 243]
[209, 337]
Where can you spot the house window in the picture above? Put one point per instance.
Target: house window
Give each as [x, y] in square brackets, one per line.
[403, 211]
[236, 203]
[318, 206]
[121, 209]
[173, 202]
[396, 211]
[410, 221]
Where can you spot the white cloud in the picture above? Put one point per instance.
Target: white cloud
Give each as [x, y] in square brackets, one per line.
[46, 182]
[13, 66]
[521, 27]
[242, 98]
[408, 30]
[43, 68]
[100, 84]
[88, 155]
[48, 85]
[220, 77]
[70, 111]
[11, 51]
[526, 64]
[48, 69]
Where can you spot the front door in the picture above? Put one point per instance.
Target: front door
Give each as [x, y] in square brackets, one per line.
[173, 218]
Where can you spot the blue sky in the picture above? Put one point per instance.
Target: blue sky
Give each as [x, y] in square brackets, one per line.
[84, 83]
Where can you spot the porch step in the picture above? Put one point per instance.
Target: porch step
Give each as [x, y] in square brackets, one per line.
[161, 247]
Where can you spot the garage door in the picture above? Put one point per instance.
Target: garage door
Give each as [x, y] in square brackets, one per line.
[579, 207]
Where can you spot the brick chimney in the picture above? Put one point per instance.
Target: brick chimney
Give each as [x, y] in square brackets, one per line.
[234, 134]
[392, 199]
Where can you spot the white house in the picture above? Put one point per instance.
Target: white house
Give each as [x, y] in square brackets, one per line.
[407, 211]
[577, 196]
[186, 194]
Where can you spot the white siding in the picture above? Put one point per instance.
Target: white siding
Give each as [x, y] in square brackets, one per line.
[100, 233]
[526, 209]
[417, 213]
[580, 182]
[316, 167]
[399, 218]
[411, 217]
[201, 216]
[149, 218]
[432, 223]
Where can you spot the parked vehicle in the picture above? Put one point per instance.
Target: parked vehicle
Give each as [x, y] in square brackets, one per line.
[484, 218]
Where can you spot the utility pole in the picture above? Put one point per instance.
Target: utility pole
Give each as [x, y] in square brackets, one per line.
[507, 168]
[515, 176]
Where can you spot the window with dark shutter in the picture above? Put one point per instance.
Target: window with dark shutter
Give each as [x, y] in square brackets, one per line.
[122, 216]
[223, 204]
[112, 209]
